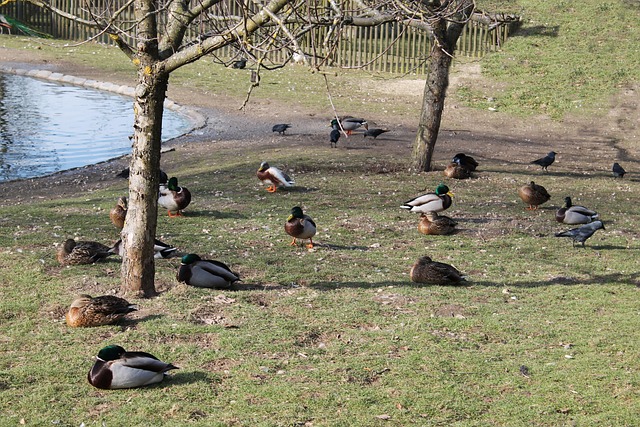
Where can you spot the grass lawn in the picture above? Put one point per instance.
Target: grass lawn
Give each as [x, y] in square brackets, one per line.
[542, 335]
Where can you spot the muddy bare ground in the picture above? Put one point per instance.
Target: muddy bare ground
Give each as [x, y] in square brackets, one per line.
[492, 137]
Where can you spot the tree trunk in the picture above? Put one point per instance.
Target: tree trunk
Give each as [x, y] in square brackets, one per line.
[445, 36]
[435, 91]
[138, 267]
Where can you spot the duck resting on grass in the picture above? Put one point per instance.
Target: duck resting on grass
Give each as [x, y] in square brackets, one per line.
[430, 272]
[202, 273]
[81, 252]
[116, 368]
[86, 311]
[437, 225]
[300, 226]
[174, 198]
[533, 195]
[160, 249]
[273, 177]
[119, 213]
[575, 214]
[430, 202]
[467, 162]
[455, 171]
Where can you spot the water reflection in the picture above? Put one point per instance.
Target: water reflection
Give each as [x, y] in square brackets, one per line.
[46, 127]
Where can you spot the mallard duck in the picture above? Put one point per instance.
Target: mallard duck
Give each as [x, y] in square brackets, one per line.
[430, 202]
[454, 170]
[349, 124]
[438, 225]
[81, 252]
[435, 273]
[545, 161]
[116, 368]
[280, 128]
[533, 195]
[174, 198]
[465, 161]
[618, 171]
[300, 226]
[203, 273]
[581, 234]
[273, 177]
[572, 214]
[160, 249]
[86, 311]
[119, 212]
[375, 133]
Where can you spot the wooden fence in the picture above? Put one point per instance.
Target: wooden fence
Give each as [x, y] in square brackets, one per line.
[390, 47]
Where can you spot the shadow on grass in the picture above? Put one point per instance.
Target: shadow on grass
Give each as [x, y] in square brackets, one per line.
[214, 214]
[598, 279]
[179, 378]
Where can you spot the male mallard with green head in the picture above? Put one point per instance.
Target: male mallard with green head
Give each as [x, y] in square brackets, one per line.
[174, 198]
[431, 272]
[118, 213]
[116, 368]
[575, 214]
[273, 177]
[81, 252]
[430, 202]
[202, 273]
[86, 311]
[300, 226]
[533, 195]
[438, 225]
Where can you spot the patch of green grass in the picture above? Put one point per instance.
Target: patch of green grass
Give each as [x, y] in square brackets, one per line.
[565, 58]
[337, 335]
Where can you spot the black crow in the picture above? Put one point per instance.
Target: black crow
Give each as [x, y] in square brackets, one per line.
[375, 132]
[546, 161]
[280, 128]
[618, 171]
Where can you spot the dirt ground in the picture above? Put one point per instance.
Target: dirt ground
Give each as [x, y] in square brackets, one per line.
[488, 136]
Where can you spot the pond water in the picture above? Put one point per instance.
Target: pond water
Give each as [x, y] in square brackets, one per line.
[47, 127]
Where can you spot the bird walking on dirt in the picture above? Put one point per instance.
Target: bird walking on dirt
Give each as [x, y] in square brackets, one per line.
[581, 234]
[334, 136]
[618, 171]
[545, 161]
[280, 128]
[374, 132]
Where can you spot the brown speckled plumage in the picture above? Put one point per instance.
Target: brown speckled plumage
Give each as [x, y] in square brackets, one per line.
[86, 311]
